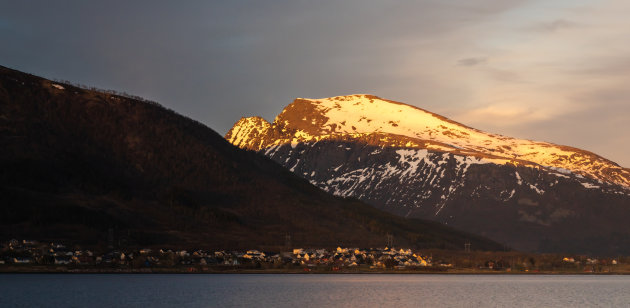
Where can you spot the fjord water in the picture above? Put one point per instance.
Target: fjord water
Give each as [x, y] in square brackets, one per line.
[293, 290]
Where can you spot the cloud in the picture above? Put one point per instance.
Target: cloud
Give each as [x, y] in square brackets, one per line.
[501, 115]
[553, 26]
[605, 67]
[471, 61]
[506, 76]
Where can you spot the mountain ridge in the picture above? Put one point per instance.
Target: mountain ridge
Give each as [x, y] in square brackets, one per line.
[292, 124]
[557, 203]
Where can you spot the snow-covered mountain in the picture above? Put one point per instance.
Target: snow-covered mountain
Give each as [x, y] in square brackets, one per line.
[308, 120]
[420, 164]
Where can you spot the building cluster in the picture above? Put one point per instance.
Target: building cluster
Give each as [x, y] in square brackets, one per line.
[589, 261]
[40, 253]
[350, 257]
[35, 252]
[31, 252]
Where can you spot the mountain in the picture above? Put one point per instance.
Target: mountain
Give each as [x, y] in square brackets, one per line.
[534, 196]
[77, 163]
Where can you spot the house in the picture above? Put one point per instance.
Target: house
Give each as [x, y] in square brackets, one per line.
[254, 255]
[405, 252]
[422, 262]
[57, 252]
[57, 246]
[29, 243]
[14, 244]
[22, 260]
[198, 254]
[62, 260]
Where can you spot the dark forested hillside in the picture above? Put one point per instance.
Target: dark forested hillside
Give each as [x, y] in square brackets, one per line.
[76, 163]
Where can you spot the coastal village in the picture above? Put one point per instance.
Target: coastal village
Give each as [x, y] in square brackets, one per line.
[32, 255]
[35, 252]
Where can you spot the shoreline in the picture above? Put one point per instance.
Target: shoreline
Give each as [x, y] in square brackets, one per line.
[193, 271]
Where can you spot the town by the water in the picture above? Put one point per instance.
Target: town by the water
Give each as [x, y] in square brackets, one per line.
[38, 256]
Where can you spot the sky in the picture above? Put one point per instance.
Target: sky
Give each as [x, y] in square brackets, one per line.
[556, 71]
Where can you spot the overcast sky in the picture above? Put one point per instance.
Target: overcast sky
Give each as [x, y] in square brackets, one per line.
[555, 71]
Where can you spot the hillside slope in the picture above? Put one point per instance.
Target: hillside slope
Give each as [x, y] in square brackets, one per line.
[77, 163]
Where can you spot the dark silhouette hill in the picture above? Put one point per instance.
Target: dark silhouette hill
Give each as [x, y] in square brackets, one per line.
[76, 163]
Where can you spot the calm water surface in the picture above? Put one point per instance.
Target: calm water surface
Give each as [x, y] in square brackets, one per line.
[120, 290]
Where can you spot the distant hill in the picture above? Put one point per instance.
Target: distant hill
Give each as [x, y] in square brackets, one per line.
[76, 163]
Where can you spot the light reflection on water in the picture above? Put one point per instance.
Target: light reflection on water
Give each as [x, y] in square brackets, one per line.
[335, 290]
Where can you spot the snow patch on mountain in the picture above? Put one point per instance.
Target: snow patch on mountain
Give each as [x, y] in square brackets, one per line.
[536, 189]
[519, 180]
[589, 185]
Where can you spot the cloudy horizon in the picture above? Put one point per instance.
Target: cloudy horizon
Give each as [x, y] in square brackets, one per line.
[553, 71]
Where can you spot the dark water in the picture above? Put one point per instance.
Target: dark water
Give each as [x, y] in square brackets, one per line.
[52, 290]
